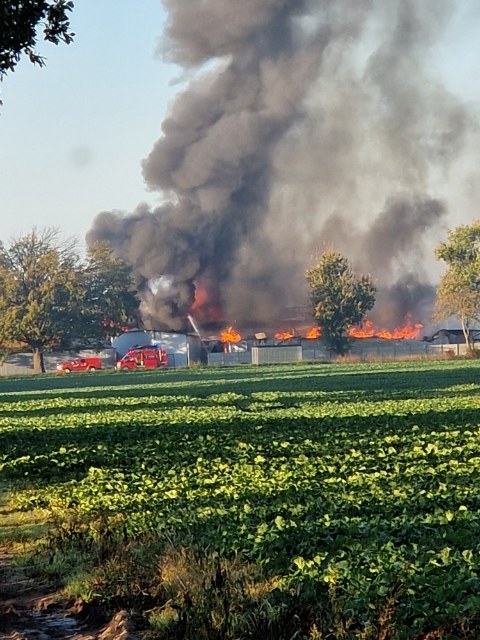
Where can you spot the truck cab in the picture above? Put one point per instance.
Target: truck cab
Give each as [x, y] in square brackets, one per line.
[80, 364]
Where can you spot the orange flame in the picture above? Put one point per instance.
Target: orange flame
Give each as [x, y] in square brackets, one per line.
[205, 307]
[408, 331]
[230, 335]
[201, 298]
[314, 333]
[286, 335]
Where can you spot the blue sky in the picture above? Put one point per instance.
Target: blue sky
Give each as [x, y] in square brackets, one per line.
[73, 134]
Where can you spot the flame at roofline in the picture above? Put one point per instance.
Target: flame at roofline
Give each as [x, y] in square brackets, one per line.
[409, 330]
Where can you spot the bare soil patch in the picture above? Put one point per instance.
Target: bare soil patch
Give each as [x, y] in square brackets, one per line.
[35, 610]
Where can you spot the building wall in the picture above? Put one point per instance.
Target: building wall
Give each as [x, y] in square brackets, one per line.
[231, 359]
[129, 339]
[175, 344]
[276, 355]
[195, 349]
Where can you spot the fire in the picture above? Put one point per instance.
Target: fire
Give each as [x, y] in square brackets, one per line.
[408, 331]
[205, 307]
[286, 335]
[230, 335]
[201, 298]
[314, 333]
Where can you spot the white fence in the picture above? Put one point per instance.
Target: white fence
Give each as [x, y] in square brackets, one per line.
[315, 351]
[276, 355]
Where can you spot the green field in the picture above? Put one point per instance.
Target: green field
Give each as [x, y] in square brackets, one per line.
[314, 501]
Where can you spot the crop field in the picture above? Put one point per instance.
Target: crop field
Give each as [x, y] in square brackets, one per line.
[314, 501]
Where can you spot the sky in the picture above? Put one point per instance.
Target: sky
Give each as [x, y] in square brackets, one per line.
[73, 134]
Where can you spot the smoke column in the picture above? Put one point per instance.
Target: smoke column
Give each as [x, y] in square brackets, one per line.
[306, 124]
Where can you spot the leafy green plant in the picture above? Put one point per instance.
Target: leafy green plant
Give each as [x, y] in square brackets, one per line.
[338, 499]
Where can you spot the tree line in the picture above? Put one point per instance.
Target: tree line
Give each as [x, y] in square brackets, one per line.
[50, 297]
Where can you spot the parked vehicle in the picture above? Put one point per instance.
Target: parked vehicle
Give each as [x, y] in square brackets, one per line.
[146, 357]
[80, 364]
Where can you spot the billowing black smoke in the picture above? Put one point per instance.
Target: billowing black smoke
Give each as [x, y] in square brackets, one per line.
[309, 119]
[393, 248]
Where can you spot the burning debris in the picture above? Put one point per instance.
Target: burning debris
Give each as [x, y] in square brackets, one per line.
[303, 119]
[408, 331]
[314, 333]
[284, 335]
[229, 335]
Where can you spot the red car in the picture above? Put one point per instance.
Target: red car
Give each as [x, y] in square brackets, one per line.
[80, 364]
[143, 358]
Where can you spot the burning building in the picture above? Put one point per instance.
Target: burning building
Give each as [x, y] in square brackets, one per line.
[303, 124]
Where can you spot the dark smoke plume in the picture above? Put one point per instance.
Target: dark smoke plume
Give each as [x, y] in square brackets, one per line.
[307, 123]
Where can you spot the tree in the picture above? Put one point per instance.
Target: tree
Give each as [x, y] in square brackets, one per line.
[49, 297]
[20, 21]
[41, 294]
[459, 290]
[339, 297]
[111, 300]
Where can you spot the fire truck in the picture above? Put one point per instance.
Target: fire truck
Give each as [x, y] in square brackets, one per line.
[80, 364]
[144, 357]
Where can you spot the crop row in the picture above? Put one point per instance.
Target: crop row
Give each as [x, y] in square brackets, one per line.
[335, 477]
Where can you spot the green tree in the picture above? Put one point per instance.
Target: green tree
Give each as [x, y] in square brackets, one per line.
[111, 300]
[49, 297]
[20, 22]
[41, 293]
[459, 291]
[340, 298]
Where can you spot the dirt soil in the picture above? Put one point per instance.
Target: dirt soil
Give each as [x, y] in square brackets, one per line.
[30, 610]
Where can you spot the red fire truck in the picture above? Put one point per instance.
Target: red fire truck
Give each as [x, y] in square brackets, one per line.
[80, 364]
[146, 357]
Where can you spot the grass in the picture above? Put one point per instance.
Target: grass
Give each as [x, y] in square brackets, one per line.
[19, 530]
